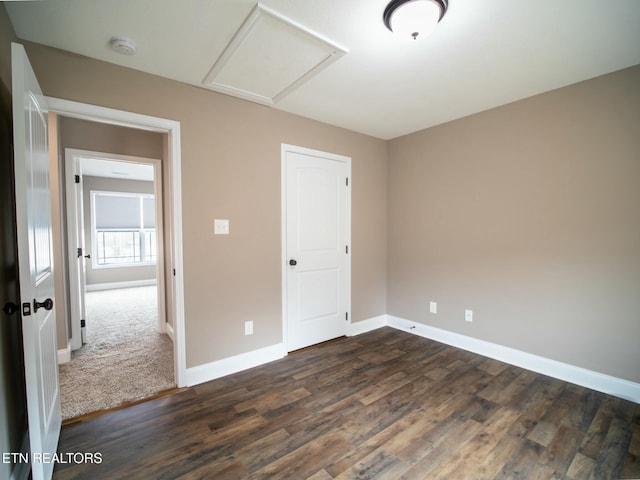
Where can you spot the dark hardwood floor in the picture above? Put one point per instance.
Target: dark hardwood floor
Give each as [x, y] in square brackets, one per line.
[384, 405]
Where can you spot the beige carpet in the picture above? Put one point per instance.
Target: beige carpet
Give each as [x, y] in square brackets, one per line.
[124, 359]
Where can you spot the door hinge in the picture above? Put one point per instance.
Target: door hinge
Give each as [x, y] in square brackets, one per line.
[347, 179]
[77, 179]
[26, 309]
[346, 249]
[79, 251]
[174, 272]
[346, 316]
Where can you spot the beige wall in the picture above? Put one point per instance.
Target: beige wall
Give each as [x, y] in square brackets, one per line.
[100, 137]
[231, 169]
[112, 274]
[529, 215]
[59, 234]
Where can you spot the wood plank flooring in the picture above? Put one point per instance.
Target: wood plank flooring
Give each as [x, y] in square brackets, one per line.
[383, 405]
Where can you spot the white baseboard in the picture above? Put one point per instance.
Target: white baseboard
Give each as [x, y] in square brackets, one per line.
[64, 354]
[169, 331]
[364, 326]
[227, 366]
[237, 363]
[111, 286]
[608, 384]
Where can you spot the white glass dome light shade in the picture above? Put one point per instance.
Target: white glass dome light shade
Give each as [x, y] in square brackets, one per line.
[414, 19]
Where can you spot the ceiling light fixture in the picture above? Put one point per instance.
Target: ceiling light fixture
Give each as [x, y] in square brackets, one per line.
[122, 45]
[414, 19]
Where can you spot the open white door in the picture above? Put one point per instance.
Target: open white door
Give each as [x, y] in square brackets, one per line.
[35, 260]
[316, 210]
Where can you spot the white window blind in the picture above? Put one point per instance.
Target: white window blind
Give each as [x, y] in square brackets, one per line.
[116, 211]
[123, 228]
[148, 212]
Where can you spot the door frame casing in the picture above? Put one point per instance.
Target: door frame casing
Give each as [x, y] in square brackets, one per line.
[72, 218]
[71, 155]
[286, 148]
[173, 193]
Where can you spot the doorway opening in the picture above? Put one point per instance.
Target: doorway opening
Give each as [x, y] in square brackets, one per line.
[115, 252]
[173, 304]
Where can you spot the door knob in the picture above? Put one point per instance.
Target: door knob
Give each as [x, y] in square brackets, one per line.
[47, 304]
[292, 262]
[87, 256]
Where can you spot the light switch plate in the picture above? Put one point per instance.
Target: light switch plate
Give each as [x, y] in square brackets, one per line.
[221, 227]
[433, 307]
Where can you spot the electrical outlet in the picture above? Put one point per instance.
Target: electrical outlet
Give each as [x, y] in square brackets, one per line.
[248, 327]
[433, 307]
[468, 315]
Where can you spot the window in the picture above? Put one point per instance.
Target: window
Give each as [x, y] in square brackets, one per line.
[124, 231]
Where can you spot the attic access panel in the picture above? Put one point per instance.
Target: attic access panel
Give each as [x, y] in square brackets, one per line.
[269, 57]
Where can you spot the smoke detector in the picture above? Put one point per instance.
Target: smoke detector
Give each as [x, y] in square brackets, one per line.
[122, 45]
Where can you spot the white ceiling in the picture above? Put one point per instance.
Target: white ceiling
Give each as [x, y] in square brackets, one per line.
[483, 53]
[100, 167]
